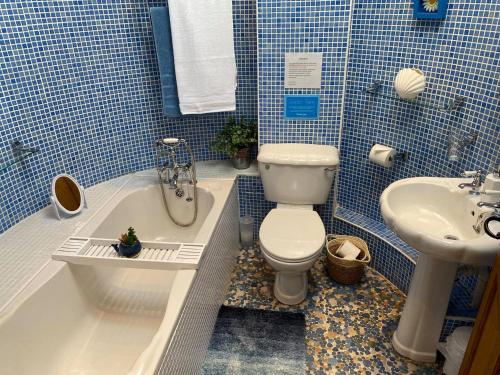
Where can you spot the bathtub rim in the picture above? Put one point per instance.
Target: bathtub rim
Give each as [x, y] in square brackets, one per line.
[218, 188]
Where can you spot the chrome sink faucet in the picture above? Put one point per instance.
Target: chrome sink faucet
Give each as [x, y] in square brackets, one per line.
[476, 183]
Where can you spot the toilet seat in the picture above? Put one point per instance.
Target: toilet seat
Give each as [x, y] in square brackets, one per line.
[292, 235]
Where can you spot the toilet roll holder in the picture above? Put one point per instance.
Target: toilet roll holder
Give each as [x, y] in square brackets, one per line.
[400, 155]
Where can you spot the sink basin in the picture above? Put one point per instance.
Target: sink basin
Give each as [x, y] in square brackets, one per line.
[436, 217]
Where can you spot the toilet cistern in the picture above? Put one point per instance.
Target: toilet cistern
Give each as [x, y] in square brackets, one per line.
[295, 176]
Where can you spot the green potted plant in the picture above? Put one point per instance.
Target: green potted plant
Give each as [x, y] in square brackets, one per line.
[236, 140]
[129, 245]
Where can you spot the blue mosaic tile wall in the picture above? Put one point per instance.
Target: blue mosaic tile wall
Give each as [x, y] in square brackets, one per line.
[459, 56]
[253, 201]
[301, 26]
[80, 81]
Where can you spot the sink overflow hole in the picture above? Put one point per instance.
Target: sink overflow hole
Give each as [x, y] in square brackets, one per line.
[451, 237]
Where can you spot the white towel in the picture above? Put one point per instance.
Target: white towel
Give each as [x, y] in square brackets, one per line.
[205, 66]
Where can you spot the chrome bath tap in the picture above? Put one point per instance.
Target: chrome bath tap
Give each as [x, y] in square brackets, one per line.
[171, 168]
[173, 174]
[177, 171]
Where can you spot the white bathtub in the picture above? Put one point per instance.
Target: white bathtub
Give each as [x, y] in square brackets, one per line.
[74, 319]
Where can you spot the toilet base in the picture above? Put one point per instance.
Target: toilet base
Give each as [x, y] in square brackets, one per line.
[290, 288]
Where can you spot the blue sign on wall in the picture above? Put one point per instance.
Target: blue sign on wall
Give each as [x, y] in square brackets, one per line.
[301, 107]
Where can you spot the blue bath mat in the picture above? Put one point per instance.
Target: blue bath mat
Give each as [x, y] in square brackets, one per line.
[247, 341]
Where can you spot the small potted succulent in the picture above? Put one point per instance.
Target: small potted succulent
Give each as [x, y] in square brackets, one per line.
[236, 140]
[129, 245]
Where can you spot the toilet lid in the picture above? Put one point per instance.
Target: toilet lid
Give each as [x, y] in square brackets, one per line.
[292, 235]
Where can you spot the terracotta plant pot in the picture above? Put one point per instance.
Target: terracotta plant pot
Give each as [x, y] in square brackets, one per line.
[241, 160]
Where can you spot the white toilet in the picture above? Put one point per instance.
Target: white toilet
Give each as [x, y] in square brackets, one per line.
[296, 176]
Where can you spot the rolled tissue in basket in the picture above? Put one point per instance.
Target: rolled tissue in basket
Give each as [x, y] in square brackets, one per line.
[348, 251]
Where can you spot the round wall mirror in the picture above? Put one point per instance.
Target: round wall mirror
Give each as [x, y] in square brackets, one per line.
[67, 194]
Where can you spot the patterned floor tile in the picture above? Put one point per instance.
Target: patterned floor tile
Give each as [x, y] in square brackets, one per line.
[348, 328]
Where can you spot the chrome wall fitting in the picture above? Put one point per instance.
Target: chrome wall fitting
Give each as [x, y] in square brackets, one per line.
[402, 155]
[377, 89]
[458, 142]
[19, 150]
[19, 153]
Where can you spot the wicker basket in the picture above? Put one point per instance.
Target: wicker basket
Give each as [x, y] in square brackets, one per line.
[342, 270]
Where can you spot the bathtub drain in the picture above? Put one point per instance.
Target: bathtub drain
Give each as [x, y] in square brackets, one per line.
[179, 192]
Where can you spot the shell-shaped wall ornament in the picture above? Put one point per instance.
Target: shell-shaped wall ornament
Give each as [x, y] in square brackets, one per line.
[409, 83]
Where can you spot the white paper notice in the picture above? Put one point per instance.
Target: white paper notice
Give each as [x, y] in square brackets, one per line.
[303, 70]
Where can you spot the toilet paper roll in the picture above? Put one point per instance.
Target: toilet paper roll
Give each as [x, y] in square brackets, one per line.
[382, 155]
[348, 251]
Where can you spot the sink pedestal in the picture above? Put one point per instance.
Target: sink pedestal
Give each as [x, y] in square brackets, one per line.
[423, 316]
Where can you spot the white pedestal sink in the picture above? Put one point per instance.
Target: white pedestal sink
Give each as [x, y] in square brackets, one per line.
[436, 217]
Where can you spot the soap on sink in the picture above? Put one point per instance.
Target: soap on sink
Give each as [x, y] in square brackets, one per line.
[348, 251]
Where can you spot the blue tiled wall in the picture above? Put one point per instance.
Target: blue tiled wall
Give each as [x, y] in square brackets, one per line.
[301, 26]
[252, 201]
[459, 56]
[80, 81]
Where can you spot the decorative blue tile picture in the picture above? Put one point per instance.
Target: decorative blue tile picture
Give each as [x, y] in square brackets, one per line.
[430, 9]
[302, 107]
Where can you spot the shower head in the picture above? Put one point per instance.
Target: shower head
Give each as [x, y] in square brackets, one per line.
[170, 141]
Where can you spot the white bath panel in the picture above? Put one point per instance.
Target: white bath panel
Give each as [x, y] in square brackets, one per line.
[154, 255]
